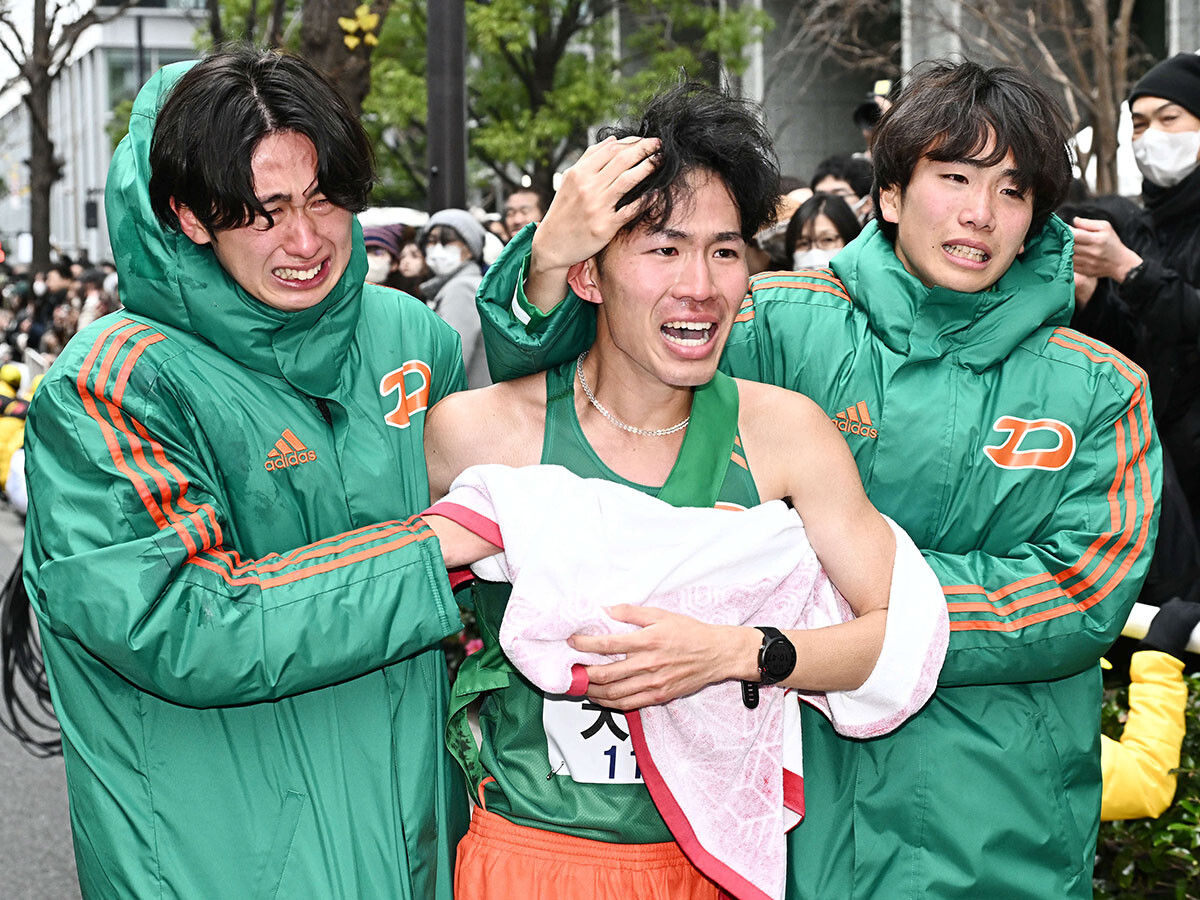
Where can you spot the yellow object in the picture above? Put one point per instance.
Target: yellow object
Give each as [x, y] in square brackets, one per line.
[10, 375]
[12, 439]
[1135, 769]
[365, 21]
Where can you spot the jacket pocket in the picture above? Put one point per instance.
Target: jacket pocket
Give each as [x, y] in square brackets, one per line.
[271, 876]
[1069, 839]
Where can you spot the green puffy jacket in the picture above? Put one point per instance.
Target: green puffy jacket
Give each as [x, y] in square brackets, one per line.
[240, 611]
[1021, 457]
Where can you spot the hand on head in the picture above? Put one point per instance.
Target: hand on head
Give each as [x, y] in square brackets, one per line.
[584, 217]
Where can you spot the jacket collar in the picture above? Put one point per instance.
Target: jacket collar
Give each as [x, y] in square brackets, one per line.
[165, 277]
[977, 330]
[1168, 205]
[430, 288]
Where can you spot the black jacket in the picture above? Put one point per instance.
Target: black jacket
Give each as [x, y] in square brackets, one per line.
[1154, 318]
[1164, 298]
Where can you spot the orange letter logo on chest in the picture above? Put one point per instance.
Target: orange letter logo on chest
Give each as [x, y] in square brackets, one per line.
[411, 401]
[1009, 455]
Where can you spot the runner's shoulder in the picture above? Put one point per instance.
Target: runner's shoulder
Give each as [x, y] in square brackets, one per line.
[494, 423]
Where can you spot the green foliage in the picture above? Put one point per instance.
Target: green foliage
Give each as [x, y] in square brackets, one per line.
[118, 125]
[394, 110]
[540, 75]
[698, 38]
[1154, 858]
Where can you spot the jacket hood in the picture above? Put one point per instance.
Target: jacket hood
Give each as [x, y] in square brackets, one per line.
[979, 329]
[166, 277]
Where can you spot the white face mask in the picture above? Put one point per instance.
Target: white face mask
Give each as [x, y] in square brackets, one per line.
[378, 267]
[1166, 157]
[443, 259]
[816, 258]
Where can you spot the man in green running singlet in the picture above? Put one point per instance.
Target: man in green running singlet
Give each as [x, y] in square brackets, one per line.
[667, 290]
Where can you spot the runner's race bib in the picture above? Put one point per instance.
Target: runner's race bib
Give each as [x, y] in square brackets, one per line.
[587, 742]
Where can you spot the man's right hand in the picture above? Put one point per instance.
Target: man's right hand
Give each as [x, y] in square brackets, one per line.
[583, 217]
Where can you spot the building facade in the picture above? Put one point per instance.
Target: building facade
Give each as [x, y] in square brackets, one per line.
[108, 66]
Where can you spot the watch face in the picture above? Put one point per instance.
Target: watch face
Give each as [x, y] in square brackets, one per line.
[779, 658]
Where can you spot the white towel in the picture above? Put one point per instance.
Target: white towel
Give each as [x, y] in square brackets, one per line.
[725, 778]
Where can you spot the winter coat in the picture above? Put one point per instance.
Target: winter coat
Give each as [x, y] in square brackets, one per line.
[1162, 309]
[1021, 458]
[1138, 769]
[239, 609]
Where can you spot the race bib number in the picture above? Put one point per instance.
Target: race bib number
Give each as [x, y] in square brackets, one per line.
[587, 742]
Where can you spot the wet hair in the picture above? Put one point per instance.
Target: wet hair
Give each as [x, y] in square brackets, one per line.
[218, 113]
[829, 205]
[856, 171]
[949, 111]
[703, 128]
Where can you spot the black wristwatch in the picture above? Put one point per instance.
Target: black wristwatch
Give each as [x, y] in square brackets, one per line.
[1134, 274]
[776, 660]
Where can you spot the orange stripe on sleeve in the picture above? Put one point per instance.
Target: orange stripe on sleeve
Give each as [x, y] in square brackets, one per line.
[166, 487]
[1131, 432]
[827, 282]
[252, 575]
[275, 563]
[110, 436]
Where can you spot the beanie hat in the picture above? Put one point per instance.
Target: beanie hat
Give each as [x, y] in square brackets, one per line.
[464, 223]
[386, 237]
[1176, 79]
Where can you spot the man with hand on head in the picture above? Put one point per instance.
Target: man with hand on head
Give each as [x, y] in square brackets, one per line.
[240, 609]
[1019, 455]
[646, 408]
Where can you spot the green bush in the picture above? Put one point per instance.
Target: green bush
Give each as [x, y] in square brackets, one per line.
[1154, 858]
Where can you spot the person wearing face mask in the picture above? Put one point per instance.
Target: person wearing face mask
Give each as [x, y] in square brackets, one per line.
[452, 241]
[383, 253]
[822, 226]
[1159, 292]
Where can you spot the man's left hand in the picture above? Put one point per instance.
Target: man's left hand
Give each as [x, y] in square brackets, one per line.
[1099, 252]
[670, 656]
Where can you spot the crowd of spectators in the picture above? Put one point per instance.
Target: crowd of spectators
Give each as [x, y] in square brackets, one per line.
[41, 311]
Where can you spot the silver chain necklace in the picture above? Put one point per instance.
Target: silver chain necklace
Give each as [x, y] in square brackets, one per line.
[632, 429]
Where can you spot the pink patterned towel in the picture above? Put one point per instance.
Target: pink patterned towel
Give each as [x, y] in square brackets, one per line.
[726, 779]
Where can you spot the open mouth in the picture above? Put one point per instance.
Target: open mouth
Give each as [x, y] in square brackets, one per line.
[301, 277]
[961, 251]
[689, 334]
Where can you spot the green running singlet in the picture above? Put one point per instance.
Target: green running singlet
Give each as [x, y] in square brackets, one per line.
[598, 794]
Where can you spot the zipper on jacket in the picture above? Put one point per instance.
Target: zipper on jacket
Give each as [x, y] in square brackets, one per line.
[324, 408]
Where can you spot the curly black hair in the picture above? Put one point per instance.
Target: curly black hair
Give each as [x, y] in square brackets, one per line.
[702, 127]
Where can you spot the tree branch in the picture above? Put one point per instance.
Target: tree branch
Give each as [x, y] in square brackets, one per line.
[61, 48]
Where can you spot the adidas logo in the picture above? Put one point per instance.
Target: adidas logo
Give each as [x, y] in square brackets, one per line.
[288, 451]
[856, 420]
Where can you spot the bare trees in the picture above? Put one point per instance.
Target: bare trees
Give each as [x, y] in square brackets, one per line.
[39, 53]
[1084, 50]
